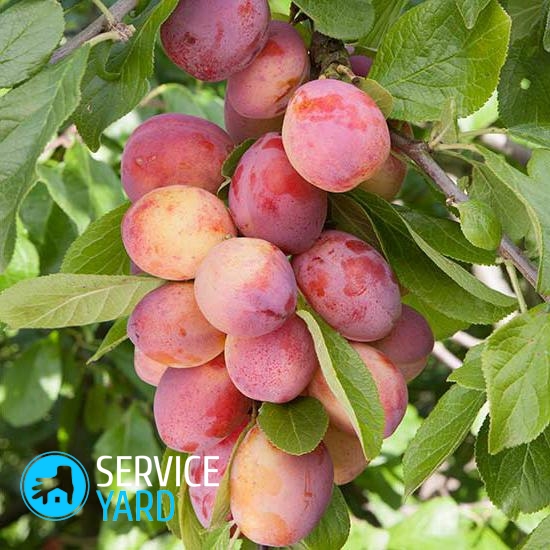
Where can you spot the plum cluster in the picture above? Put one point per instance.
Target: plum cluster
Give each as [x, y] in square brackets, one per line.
[222, 334]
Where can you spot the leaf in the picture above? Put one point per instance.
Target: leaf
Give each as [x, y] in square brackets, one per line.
[480, 224]
[523, 89]
[445, 130]
[30, 114]
[518, 479]
[192, 532]
[219, 538]
[105, 101]
[348, 379]
[72, 300]
[230, 164]
[347, 20]
[173, 485]
[296, 427]
[24, 263]
[470, 10]
[440, 434]
[29, 31]
[332, 531]
[546, 36]
[538, 539]
[436, 280]
[116, 335]
[516, 366]
[33, 383]
[379, 94]
[470, 375]
[131, 436]
[386, 13]
[429, 56]
[446, 237]
[99, 250]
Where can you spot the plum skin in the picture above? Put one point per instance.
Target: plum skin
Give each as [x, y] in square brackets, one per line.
[277, 499]
[212, 39]
[263, 89]
[148, 370]
[171, 149]
[198, 407]
[168, 232]
[269, 200]
[409, 344]
[346, 453]
[350, 285]
[359, 137]
[391, 386]
[275, 367]
[246, 287]
[168, 326]
[241, 128]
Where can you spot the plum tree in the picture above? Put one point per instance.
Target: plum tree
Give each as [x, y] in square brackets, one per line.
[277, 498]
[174, 149]
[147, 369]
[197, 408]
[213, 39]
[409, 343]
[350, 285]
[263, 89]
[359, 143]
[268, 199]
[275, 367]
[169, 231]
[346, 453]
[245, 287]
[168, 326]
[203, 496]
[241, 128]
[392, 390]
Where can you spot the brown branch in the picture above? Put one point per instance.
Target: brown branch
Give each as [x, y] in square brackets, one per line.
[419, 152]
[119, 9]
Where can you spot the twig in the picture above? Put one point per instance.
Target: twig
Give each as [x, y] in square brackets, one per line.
[465, 340]
[511, 270]
[118, 10]
[110, 18]
[418, 152]
[446, 357]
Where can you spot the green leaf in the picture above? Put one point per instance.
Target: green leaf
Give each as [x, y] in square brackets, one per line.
[429, 56]
[29, 31]
[131, 436]
[532, 193]
[348, 379]
[470, 374]
[72, 300]
[438, 281]
[523, 89]
[386, 14]
[445, 130]
[470, 10]
[538, 539]
[99, 250]
[32, 383]
[440, 434]
[173, 485]
[296, 427]
[525, 17]
[480, 224]
[192, 532]
[219, 538]
[379, 94]
[24, 263]
[105, 101]
[546, 36]
[518, 479]
[348, 20]
[230, 164]
[30, 114]
[516, 366]
[446, 237]
[332, 531]
[116, 335]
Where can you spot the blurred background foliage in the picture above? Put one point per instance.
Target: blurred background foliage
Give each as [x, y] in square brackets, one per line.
[51, 399]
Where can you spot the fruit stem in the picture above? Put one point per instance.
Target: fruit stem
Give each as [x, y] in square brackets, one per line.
[512, 273]
[109, 17]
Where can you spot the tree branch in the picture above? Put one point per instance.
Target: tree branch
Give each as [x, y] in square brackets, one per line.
[419, 152]
[119, 9]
